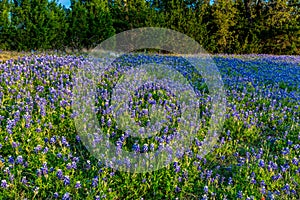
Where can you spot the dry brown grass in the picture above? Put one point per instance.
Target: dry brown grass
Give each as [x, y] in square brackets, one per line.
[7, 55]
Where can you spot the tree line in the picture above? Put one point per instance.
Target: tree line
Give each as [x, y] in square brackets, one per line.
[220, 26]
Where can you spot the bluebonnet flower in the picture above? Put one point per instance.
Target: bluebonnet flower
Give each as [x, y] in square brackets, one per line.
[15, 144]
[25, 164]
[109, 123]
[284, 167]
[297, 146]
[295, 161]
[185, 174]
[272, 166]
[11, 160]
[38, 130]
[55, 195]
[230, 181]
[44, 169]
[263, 190]
[19, 160]
[39, 172]
[152, 147]
[95, 181]
[64, 141]
[285, 151]
[37, 148]
[205, 189]
[145, 148]
[276, 177]
[77, 185]
[253, 181]
[24, 181]
[88, 165]
[261, 163]
[208, 174]
[179, 179]
[271, 195]
[289, 142]
[11, 177]
[177, 167]
[4, 184]
[69, 166]
[51, 169]
[66, 196]
[45, 150]
[240, 195]
[66, 180]
[59, 174]
[136, 147]
[277, 192]
[228, 133]
[75, 159]
[59, 155]
[50, 125]
[286, 188]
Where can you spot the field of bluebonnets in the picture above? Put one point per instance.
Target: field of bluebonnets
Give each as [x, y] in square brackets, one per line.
[256, 157]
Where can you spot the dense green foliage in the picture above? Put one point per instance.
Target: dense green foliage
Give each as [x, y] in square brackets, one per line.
[223, 26]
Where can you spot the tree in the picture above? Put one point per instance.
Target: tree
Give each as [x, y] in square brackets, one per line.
[281, 27]
[37, 24]
[223, 20]
[90, 23]
[78, 25]
[57, 25]
[100, 24]
[4, 24]
[129, 14]
[21, 24]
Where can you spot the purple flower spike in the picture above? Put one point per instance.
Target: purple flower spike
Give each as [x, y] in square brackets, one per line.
[4, 184]
[77, 185]
[66, 196]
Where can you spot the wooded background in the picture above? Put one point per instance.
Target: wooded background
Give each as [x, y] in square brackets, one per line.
[223, 26]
